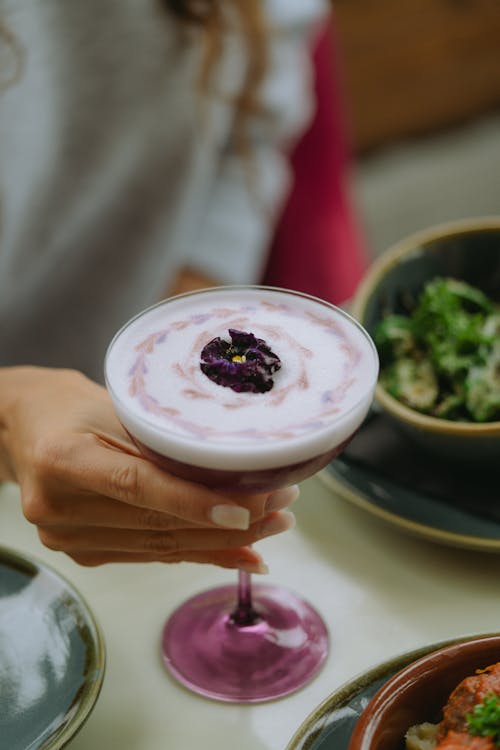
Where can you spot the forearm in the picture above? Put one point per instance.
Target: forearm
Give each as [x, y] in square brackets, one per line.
[189, 279]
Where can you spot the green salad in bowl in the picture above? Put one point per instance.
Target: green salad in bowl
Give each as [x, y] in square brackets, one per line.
[432, 305]
[443, 358]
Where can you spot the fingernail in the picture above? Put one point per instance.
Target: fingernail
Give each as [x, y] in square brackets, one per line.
[282, 498]
[278, 523]
[230, 516]
[253, 567]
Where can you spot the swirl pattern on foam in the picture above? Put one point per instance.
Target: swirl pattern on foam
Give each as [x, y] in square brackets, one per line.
[328, 366]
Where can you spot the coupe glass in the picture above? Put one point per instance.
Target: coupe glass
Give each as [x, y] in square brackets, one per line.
[243, 643]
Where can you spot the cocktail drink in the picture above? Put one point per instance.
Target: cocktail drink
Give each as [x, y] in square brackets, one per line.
[245, 389]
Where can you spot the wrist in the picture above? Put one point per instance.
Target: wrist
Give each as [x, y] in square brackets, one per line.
[14, 387]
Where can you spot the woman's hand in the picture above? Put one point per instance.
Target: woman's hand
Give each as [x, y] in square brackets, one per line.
[91, 494]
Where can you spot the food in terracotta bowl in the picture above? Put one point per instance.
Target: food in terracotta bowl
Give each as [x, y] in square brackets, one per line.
[432, 306]
[448, 699]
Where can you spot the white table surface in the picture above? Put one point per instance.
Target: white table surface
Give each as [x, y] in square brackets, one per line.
[380, 591]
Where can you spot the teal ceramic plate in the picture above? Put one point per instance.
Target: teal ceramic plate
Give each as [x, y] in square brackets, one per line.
[386, 474]
[329, 727]
[51, 656]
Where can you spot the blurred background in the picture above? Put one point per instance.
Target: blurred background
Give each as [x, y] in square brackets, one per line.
[422, 89]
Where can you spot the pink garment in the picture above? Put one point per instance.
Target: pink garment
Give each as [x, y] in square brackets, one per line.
[317, 246]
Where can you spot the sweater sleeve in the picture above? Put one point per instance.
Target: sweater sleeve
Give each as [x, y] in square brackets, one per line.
[247, 195]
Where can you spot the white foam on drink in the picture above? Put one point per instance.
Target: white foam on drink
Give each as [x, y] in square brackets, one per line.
[320, 395]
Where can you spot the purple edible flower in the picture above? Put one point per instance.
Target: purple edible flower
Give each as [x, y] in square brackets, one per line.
[246, 364]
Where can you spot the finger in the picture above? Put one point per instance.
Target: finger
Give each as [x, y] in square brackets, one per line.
[282, 498]
[89, 510]
[160, 543]
[243, 558]
[135, 481]
[86, 463]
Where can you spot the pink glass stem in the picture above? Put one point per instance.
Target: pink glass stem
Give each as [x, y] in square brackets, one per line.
[244, 614]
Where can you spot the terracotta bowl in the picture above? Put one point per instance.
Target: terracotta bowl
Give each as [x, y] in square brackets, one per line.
[418, 692]
[467, 250]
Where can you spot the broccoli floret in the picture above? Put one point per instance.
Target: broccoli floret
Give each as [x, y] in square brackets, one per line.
[470, 298]
[447, 294]
[413, 382]
[394, 337]
[441, 315]
[453, 358]
[449, 321]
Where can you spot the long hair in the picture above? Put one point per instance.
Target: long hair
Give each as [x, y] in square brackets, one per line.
[12, 58]
[209, 17]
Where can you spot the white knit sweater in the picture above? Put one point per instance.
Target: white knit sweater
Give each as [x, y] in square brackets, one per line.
[114, 173]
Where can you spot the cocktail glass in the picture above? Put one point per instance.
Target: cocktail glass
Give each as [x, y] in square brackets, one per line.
[243, 643]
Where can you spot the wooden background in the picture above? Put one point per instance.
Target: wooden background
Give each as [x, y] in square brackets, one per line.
[411, 67]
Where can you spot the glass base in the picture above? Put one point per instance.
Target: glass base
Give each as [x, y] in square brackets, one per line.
[279, 652]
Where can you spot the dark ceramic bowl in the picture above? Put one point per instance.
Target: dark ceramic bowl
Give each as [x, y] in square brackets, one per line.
[467, 250]
[418, 692]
